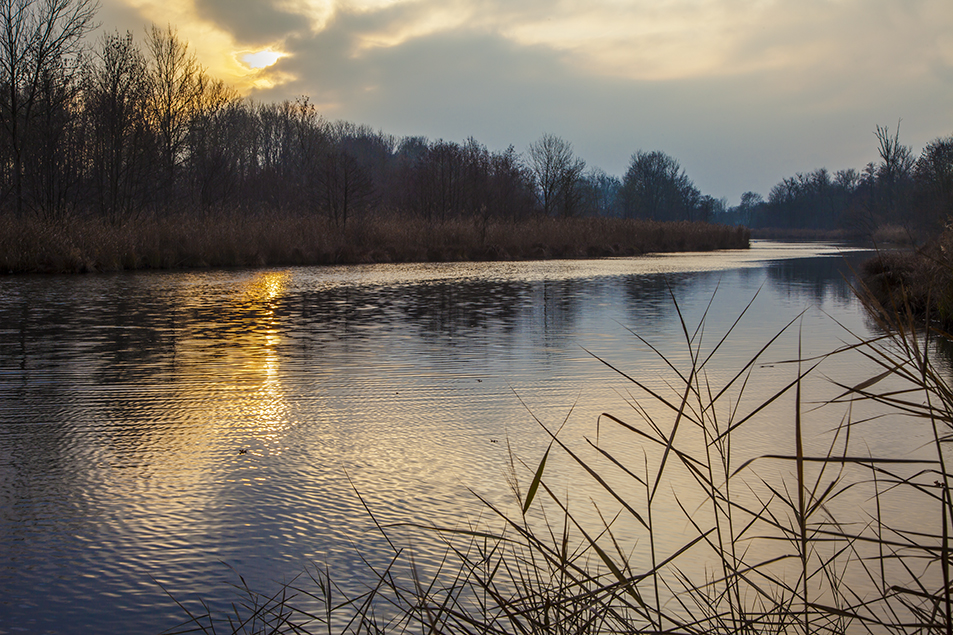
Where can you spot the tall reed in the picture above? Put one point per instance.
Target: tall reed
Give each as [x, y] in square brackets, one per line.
[771, 543]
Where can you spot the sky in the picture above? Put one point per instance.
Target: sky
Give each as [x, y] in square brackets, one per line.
[743, 93]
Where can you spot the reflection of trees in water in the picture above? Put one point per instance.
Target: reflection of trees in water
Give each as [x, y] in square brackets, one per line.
[941, 348]
[943, 357]
[648, 298]
[446, 309]
[84, 357]
[66, 345]
[817, 277]
[112, 322]
[89, 352]
[554, 308]
[167, 327]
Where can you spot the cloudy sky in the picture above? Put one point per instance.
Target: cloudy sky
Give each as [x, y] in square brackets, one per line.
[742, 92]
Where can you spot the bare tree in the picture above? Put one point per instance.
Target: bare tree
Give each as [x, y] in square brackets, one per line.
[934, 183]
[37, 39]
[656, 187]
[438, 181]
[893, 174]
[346, 184]
[212, 166]
[176, 82]
[53, 145]
[116, 93]
[557, 172]
[511, 194]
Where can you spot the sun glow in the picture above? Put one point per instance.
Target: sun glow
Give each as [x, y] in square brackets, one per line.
[218, 50]
[261, 59]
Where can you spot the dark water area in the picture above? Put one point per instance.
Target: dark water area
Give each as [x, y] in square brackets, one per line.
[179, 428]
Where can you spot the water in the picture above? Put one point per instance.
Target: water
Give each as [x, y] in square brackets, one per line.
[177, 428]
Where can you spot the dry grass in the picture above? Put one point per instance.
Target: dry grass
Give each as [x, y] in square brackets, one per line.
[894, 235]
[800, 234]
[918, 281]
[182, 240]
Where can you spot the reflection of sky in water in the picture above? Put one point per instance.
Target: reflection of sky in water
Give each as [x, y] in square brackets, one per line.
[556, 270]
[128, 401]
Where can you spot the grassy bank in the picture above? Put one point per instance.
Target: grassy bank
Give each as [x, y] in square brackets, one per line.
[775, 233]
[273, 239]
[881, 236]
[823, 536]
[919, 281]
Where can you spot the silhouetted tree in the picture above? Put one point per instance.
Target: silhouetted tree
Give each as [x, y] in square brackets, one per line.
[140, 128]
[279, 152]
[748, 209]
[557, 172]
[211, 161]
[933, 179]
[893, 175]
[121, 144]
[511, 187]
[176, 82]
[809, 201]
[707, 208]
[39, 40]
[438, 182]
[601, 194]
[53, 148]
[656, 187]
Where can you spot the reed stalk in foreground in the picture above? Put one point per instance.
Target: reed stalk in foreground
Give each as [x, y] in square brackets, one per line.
[774, 543]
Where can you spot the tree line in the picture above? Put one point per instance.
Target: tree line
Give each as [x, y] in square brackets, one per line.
[901, 189]
[120, 130]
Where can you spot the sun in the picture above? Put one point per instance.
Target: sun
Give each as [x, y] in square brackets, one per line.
[261, 59]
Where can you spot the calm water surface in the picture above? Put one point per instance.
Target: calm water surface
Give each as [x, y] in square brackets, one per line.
[172, 427]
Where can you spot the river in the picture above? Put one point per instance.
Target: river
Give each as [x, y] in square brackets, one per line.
[180, 428]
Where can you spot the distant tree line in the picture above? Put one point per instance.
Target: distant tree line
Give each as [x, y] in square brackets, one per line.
[121, 130]
[900, 189]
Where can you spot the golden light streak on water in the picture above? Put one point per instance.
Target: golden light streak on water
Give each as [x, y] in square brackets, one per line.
[267, 405]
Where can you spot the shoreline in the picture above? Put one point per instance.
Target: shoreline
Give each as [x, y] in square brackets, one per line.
[187, 241]
[912, 283]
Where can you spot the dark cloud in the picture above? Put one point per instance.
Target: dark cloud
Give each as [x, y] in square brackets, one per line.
[252, 22]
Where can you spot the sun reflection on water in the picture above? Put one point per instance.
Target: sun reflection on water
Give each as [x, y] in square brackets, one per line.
[266, 406]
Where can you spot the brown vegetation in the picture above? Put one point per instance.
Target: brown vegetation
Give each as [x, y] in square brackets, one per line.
[189, 240]
[917, 281]
[799, 234]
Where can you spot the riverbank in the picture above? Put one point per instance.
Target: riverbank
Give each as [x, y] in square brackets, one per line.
[884, 235]
[76, 245]
[918, 282]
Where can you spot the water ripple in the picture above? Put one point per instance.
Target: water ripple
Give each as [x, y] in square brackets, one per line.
[168, 426]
